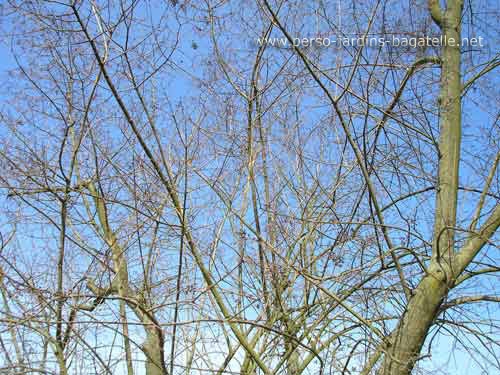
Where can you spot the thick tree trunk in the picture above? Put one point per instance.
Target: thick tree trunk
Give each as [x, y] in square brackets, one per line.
[423, 307]
[153, 348]
[401, 356]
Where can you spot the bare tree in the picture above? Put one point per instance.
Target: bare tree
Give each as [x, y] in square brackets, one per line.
[265, 187]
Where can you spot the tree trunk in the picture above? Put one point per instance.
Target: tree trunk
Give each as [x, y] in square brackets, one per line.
[153, 349]
[423, 307]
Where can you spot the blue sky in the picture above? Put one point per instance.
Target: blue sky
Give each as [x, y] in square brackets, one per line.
[195, 47]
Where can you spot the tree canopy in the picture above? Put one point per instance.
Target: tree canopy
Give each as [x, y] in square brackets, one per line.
[249, 187]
